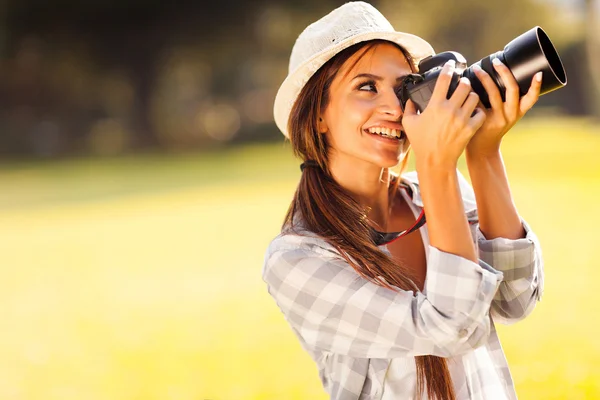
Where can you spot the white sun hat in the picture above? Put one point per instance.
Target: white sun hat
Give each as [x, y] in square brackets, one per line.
[345, 26]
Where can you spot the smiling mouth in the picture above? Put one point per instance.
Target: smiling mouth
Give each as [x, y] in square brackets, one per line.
[392, 134]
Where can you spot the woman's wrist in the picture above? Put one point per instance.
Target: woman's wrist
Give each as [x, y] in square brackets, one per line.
[498, 216]
[479, 154]
[435, 165]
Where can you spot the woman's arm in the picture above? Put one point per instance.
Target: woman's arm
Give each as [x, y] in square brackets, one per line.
[438, 136]
[447, 225]
[498, 215]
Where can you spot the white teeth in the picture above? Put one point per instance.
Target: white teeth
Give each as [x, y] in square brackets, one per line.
[386, 131]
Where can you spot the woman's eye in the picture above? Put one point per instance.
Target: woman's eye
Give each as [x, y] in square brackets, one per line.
[368, 87]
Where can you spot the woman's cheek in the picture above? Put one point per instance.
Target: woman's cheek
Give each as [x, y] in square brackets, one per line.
[359, 112]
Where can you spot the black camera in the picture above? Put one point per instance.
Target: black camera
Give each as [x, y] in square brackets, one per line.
[524, 56]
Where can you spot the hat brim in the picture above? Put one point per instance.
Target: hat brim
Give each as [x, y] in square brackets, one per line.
[295, 81]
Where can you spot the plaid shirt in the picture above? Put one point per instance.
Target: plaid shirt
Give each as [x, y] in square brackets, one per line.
[353, 328]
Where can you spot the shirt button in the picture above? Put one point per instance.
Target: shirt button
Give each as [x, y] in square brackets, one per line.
[463, 333]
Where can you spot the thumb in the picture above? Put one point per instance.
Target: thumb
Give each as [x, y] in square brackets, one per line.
[410, 108]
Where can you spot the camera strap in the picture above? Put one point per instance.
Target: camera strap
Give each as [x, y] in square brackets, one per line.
[384, 238]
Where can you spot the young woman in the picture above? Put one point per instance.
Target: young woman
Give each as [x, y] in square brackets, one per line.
[413, 317]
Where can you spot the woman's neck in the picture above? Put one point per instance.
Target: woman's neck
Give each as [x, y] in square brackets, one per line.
[368, 184]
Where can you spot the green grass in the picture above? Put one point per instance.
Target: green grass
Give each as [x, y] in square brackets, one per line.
[140, 277]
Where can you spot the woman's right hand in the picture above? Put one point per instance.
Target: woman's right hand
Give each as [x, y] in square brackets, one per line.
[439, 135]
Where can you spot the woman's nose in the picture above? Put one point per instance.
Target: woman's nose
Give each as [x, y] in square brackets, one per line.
[390, 105]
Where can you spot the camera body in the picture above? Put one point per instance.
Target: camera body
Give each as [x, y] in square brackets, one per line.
[419, 87]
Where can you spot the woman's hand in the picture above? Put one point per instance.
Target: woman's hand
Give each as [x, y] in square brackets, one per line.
[439, 135]
[503, 115]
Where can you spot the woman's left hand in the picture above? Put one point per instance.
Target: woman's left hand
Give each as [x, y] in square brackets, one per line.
[503, 115]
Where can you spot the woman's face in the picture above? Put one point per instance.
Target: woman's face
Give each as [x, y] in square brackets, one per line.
[362, 102]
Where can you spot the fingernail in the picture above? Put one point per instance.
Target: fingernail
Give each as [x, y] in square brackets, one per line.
[449, 66]
[476, 67]
[538, 76]
[451, 63]
[465, 80]
[496, 61]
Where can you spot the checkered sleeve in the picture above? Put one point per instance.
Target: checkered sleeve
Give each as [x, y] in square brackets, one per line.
[521, 263]
[332, 308]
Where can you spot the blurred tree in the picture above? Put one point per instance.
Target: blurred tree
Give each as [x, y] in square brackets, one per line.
[128, 35]
[61, 58]
[474, 28]
[133, 36]
[3, 35]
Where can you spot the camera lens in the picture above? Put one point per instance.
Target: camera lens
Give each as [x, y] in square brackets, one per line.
[524, 56]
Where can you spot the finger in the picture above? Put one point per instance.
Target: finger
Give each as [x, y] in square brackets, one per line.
[512, 88]
[477, 120]
[440, 91]
[532, 95]
[490, 87]
[462, 91]
[409, 108]
[469, 106]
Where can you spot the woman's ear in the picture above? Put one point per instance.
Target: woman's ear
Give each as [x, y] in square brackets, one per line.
[322, 125]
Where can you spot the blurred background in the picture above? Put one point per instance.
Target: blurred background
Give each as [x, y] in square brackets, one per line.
[142, 178]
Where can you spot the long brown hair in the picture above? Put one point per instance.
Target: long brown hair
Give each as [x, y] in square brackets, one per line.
[329, 210]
